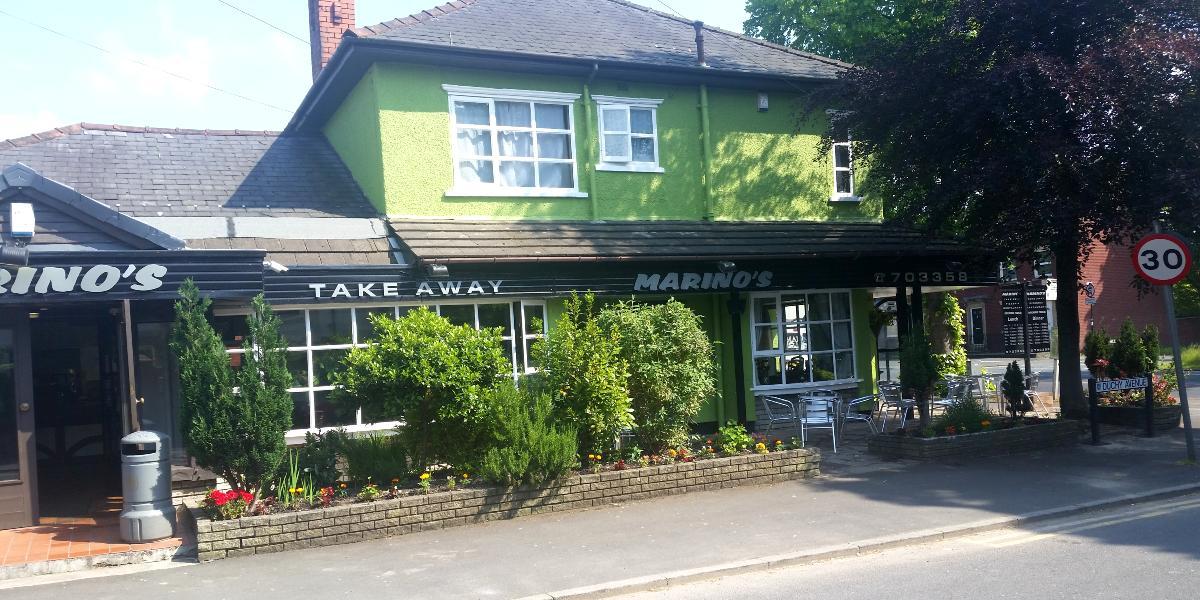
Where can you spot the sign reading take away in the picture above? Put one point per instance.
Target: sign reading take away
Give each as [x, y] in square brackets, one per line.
[1119, 385]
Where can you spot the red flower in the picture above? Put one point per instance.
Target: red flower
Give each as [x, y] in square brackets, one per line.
[247, 497]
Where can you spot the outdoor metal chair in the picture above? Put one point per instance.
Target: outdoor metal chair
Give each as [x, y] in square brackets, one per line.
[893, 400]
[851, 411]
[779, 410]
[956, 389]
[819, 410]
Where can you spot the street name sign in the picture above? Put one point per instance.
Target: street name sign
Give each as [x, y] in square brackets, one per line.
[1120, 385]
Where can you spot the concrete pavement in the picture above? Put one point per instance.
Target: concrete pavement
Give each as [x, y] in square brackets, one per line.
[859, 499]
[1147, 550]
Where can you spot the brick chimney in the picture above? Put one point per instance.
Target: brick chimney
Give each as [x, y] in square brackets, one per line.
[327, 21]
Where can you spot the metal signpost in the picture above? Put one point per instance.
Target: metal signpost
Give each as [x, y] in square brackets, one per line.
[1164, 260]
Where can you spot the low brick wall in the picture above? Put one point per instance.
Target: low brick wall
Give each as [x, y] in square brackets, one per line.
[383, 518]
[1000, 441]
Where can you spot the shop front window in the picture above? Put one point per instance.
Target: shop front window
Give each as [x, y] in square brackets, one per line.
[318, 339]
[802, 338]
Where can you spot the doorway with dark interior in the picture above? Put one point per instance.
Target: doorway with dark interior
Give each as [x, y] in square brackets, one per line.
[79, 417]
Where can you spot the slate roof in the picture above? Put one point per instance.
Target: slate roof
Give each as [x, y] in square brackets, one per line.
[374, 251]
[145, 171]
[608, 30]
[466, 241]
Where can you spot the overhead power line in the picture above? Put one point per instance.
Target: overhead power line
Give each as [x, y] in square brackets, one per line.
[267, 23]
[142, 63]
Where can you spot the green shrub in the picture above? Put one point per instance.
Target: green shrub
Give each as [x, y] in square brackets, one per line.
[528, 447]
[672, 368]
[585, 375]
[965, 415]
[237, 436]
[431, 375]
[1129, 353]
[1096, 348]
[1150, 344]
[317, 457]
[732, 438]
[1013, 388]
[376, 458]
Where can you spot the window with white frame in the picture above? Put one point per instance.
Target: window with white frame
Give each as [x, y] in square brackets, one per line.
[533, 321]
[843, 171]
[512, 141]
[628, 133]
[319, 338]
[802, 338]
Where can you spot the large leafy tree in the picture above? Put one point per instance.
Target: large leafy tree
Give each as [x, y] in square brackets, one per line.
[1020, 124]
[842, 29]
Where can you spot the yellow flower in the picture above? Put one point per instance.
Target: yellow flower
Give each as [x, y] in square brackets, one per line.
[299, 490]
[424, 476]
[466, 476]
[342, 485]
[395, 480]
[985, 423]
[672, 452]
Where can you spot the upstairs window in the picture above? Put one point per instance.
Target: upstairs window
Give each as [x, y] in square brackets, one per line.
[509, 142]
[628, 134]
[843, 171]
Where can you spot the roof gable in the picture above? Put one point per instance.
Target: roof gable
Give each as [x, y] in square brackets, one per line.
[608, 30]
[64, 218]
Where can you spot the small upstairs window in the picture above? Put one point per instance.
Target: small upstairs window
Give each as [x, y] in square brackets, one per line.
[843, 172]
[628, 134]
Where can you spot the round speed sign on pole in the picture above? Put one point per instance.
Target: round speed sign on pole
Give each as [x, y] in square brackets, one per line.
[1162, 259]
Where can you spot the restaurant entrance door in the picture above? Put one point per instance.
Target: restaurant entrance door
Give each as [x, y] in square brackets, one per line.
[17, 475]
[77, 375]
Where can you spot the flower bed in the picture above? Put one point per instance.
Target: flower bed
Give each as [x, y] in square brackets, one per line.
[354, 522]
[1033, 436]
[1166, 418]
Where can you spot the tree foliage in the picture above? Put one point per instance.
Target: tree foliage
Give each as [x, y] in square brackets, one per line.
[238, 435]
[946, 324]
[848, 30]
[585, 375]
[1019, 124]
[672, 368]
[918, 371]
[431, 375]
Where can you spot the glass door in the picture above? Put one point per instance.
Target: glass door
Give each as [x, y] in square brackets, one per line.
[16, 426]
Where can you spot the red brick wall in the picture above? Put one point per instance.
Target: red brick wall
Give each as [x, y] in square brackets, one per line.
[1110, 269]
[327, 21]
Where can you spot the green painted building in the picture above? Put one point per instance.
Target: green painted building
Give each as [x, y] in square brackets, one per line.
[523, 150]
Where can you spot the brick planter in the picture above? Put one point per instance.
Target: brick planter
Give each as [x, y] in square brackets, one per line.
[368, 520]
[1000, 441]
[1166, 418]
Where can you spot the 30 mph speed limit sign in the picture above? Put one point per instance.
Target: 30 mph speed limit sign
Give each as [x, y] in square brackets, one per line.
[1161, 259]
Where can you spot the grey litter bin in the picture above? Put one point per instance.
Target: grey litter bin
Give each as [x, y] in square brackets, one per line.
[148, 513]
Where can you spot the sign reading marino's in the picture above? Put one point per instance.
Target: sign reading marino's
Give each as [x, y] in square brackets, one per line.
[73, 276]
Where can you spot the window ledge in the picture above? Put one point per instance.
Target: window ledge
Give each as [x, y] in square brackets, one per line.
[845, 199]
[630, 168]
[513, 193]
[790, 388]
